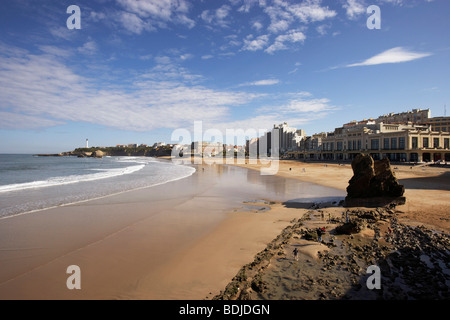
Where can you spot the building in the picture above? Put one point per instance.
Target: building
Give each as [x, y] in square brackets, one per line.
[397, 142]
[159, 144]
[438, 123]
[207, 149]
[407, 136]
[278, 141]
[414, 116]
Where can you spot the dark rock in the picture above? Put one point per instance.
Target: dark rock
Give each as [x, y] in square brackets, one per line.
[348, 228]
[373, 182]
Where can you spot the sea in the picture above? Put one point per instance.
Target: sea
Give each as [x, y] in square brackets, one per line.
[31, 183]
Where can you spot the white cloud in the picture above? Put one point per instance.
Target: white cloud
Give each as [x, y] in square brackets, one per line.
[322, 29]
[162, 59]
[9, 120]
[42, 91]
[207, 57]
[258, 43]
[257, 25]
[311, 11]
[394, 55]
[186, 56]
[306, 106]
[56, 51]
[133, 23]
[89, 48]
[292, 36]
[280, 19]
[266, 82]
[355, 8]
[301, 109]
[139, 13]
[217, 17]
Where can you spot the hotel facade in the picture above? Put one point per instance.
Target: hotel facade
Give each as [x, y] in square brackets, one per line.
[404, 137]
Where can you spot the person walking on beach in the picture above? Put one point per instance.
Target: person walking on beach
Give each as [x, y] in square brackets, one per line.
[319, 234]
[296, 254]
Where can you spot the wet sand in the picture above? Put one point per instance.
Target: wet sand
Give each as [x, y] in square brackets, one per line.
[427, 189]
[180, 240]
[410, 244]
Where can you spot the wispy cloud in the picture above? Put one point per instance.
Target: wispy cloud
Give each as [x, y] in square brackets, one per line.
[301, 105]
[254, 44]
[394, 55]
[355, 8]
[218, 16]
[42, 90]
[140, 15]
[88, 48]
[266, 82]
[292, 36]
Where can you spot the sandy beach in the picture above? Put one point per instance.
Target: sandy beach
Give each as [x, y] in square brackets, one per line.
[185, 239]
[181, 240]
[409, 243]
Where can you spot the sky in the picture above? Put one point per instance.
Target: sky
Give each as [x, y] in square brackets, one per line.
[135, 71]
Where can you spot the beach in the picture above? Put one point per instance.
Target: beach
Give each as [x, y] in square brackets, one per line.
[179, 240]
[427, 188]
[184, 239]
[408, 244]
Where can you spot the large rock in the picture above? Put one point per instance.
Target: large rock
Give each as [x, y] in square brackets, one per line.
[373, 182]
[98, 154]
[363, 172]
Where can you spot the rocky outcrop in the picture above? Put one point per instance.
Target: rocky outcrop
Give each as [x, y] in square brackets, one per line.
[373, 183]
[98, 154]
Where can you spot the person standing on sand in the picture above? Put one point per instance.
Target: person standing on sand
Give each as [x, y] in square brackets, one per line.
[319, 234]
[296, 254]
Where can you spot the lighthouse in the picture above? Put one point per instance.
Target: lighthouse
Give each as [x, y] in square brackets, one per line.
[87, 143]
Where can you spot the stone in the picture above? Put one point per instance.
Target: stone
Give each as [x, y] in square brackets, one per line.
[98, 154]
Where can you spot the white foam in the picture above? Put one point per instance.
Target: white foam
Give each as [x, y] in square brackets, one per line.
[56, 181]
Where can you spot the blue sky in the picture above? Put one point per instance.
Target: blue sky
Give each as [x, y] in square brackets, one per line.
[139, 69]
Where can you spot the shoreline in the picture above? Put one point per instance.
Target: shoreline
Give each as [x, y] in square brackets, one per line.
[96, 198]
[184, 241]
[125, 245]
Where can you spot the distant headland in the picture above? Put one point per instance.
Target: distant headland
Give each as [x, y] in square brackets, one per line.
[100, 152]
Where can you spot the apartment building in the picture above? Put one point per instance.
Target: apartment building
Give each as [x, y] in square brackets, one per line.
[397, 142]
[408, 136]
[438, 123]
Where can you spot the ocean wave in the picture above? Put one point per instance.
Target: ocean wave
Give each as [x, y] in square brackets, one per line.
[57, 181]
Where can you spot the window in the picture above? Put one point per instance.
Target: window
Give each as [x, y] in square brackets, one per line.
[414, 142]
[435, 142]
[339, 146]
[401, 143]
[386, 143]
[425, 142]
[359, 144]
[446, 143]
[394, 143]
[374, 144]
